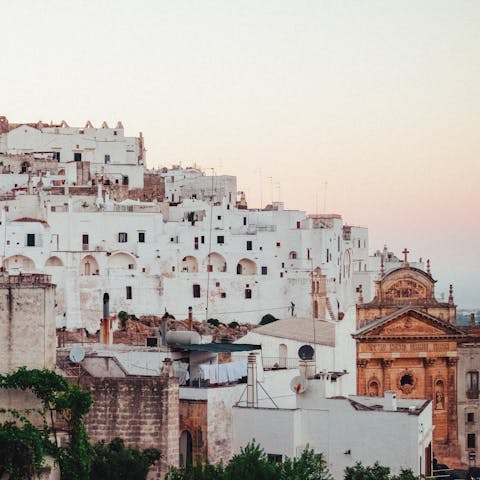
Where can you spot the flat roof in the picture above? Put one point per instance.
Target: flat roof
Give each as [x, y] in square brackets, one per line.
[217, 347]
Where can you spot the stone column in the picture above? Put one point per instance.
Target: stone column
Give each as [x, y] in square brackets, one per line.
[386, 380]
[428, 364]
[361, 376]
[452, 398]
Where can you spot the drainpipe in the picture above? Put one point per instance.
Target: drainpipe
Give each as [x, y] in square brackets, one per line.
[190, 319]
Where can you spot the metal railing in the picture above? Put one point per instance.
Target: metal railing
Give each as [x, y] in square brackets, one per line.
[279, 363]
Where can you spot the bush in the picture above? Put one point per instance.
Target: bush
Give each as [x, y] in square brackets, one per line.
[233, 325]
[213, 322]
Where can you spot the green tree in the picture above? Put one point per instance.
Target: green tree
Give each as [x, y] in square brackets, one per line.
[376, 472]
[309, 466]
[200, 471]
[115, 461]
[252, 463]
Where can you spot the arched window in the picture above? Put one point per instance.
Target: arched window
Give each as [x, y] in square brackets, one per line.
[246, 267]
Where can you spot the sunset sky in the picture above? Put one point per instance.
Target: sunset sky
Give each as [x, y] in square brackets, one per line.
[380, 99]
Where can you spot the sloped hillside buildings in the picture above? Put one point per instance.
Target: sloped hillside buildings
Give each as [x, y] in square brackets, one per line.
[77, 203]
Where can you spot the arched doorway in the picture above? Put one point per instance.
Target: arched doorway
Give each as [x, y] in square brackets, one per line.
[185, 449]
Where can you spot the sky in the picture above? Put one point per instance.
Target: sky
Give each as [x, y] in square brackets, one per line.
[369, 109]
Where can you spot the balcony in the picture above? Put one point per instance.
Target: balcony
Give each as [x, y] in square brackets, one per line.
[472, 394]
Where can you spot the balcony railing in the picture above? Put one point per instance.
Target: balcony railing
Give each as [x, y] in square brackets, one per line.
[279, 363]
[472, 394]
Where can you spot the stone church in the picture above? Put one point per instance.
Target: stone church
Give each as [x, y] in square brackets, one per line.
[407, 342]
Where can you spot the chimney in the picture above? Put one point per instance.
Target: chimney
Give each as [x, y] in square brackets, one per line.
[391, 401]
[190, 318]
[307, 368]
[252, 390]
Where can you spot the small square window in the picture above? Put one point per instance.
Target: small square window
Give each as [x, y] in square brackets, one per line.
[122, 237]
[77, 157]
[107, 159]
[278, 244]
[248, 293]
[141, 237]
[217, 284]
[470, 417]
[223, 295]
[219, 217]
[264, 270]
[152, 341]
[128, 292]
[249, 245]
[220, 239]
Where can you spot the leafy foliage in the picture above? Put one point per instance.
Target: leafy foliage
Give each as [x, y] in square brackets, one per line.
[25, 446]
[376, 472]
[213, 321]
[233, 324]
[252, 463]
[115, 461]
[309, 465]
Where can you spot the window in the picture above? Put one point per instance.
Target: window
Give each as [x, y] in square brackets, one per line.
[220, 239]
[85, 241]
[141, 237]
[249, 244]
[278, 244]
[30, 239]
[471, 440]
[223, 295]
[472, 384]
[244, 220]
[124, 180]
[77, 157]
[56, 156]
[131, 266]
[195, 243]
[152, 341]
[219, 217]
[122, 237]
[202, 239]
[274, 458]
[107, 159]
[470, 417]
[128, 291]
[248, 293]
[196, 291]
[264, 270]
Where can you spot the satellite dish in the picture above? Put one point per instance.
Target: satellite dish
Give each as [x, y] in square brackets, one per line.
[77, 354]
[298, 384]
[306, 352]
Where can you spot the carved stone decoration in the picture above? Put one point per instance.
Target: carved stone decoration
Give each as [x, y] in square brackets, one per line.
[362, 363]
[405, 288]
[406, 381]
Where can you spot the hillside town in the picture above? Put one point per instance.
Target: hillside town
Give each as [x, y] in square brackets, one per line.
[199, 325]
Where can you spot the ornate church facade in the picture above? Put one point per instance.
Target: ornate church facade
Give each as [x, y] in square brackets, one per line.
[407, 343]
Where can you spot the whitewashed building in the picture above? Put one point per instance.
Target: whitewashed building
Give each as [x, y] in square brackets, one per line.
[395, 432]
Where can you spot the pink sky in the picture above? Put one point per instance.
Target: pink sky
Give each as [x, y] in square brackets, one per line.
[381, 99]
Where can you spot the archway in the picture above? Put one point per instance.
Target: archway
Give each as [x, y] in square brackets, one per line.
[19, 263]
[89, 266]
[246, 267]
[122, 260]
[54, 262]
[189, 264]
[215, 262]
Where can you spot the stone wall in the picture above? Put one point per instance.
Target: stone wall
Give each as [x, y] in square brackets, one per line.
[27, 322]
[143, 411]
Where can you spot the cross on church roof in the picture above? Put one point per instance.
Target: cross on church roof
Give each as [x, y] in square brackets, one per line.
[405, 256]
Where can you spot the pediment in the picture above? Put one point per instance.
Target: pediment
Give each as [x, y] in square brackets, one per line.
[408, 322]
